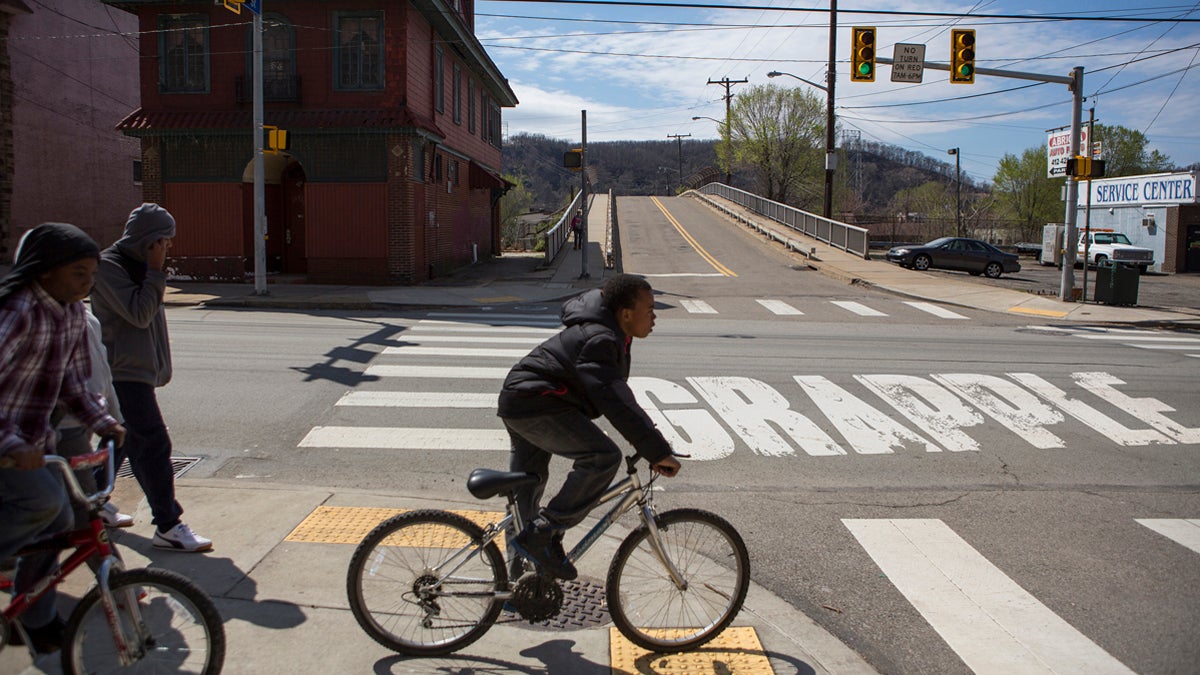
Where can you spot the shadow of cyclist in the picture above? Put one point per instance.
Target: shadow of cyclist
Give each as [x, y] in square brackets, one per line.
[557, 656]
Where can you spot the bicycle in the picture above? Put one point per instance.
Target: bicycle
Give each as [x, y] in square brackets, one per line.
[132, 621]
[430, 582]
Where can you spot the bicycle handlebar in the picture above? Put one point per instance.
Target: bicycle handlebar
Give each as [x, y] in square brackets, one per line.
[102, 456]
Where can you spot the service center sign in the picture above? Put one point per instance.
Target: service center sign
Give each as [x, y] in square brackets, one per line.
[1158, 188]
[1058, 149]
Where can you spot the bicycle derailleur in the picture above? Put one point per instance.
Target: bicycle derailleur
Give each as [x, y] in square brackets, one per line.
[537, 597]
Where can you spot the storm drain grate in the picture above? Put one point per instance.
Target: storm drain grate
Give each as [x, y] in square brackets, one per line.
[179, 466]
[583, 607]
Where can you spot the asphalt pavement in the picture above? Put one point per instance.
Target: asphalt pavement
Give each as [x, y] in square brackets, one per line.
[277, 571]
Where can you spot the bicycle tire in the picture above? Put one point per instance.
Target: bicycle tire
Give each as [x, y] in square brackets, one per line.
[184, 630]
[645, 604]
[389, 563]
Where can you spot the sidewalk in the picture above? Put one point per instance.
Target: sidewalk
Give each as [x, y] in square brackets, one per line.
[278, 569]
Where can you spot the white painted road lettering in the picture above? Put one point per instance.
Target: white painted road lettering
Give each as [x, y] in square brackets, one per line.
[691, 431]
[751, 407]
[866, 429]
[929, 406]
[1009, 405]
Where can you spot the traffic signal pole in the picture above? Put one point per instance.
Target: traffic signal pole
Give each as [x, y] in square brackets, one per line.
[1074, 82]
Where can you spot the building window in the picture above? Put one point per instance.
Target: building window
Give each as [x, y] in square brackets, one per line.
[454, 172]
[456, 95]
[183, 54]
[494, 123]
[483, 111]
[418, 160]
[470, 105]
[439, 79]
[137, 172]
[437, 168]
[280, 82]
[358, 51]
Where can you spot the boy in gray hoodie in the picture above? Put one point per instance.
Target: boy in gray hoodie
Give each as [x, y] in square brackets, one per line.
[128, 300]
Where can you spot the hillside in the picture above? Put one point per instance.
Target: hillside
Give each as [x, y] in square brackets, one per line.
[650, 168]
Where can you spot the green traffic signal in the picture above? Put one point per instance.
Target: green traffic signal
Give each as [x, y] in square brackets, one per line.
[862, 54]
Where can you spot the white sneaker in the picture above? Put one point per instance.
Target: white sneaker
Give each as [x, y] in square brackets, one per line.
[181, 538]
[114, 518]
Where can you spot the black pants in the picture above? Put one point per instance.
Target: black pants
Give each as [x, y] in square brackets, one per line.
[148, 447]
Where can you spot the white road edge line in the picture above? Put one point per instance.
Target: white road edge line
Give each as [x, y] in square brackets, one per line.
[419, 399]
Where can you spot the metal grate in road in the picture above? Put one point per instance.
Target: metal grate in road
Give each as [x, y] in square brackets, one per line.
[179, 466]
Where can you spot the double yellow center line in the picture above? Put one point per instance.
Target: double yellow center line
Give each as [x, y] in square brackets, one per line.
[693, 243]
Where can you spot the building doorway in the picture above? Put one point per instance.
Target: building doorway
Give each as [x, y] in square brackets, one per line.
[1192, 261]
[283, 204]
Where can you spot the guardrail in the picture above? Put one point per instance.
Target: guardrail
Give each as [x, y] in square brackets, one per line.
[557, 236]
[610, 224]
[837, 234]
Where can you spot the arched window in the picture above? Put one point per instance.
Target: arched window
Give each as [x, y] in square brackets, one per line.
[280, 82]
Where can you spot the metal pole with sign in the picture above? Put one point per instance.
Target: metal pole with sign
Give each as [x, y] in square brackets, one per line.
[260, 207]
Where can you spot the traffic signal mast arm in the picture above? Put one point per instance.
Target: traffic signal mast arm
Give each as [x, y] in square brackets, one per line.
[1013, 74]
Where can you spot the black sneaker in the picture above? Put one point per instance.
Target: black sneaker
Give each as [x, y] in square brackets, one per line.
[46, 639]
[537, 542]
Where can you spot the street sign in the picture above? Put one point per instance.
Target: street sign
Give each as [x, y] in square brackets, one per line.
[1058, 150]
[908, 63]
[253, 5]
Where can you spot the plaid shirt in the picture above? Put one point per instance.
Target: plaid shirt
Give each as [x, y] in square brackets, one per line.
[44, 360]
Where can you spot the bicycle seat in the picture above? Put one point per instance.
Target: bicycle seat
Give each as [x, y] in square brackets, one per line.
[487, 483]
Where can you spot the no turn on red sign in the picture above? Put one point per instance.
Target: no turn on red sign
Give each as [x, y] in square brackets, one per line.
[908, 63]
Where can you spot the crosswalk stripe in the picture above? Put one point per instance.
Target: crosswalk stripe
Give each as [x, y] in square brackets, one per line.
[697, 306]
[406, 350]
[1157, 346]
[780, 307]
[495, 323]
[460, 327]
[492, 317]
[935, 310]
[993, 624]
[418, 399]
[857, 308]
[406, 438]
[474, 339]
[1184, 531]
[1147, 338]
[437, 372]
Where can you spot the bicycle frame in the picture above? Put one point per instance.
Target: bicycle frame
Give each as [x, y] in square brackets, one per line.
[90, 542]
[628, 492]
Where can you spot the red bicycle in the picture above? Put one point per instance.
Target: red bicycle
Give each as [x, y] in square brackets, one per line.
[133, 621]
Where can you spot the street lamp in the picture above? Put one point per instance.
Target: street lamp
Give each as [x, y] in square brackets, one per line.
[830, 156]
[958, 191]
[728, 175]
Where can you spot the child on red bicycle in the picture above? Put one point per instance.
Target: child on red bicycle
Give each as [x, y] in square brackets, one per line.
[44, 362]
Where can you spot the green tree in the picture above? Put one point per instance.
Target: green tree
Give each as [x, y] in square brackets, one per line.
[1125, 154]
[777, 134]
[516, 202]
[1026, 195]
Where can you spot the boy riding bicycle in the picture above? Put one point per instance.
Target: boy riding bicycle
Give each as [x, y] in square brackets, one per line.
[44, 361]
[550, 398]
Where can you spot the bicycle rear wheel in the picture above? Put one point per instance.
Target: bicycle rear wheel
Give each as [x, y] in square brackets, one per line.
[650, 610]
[420, 584]
[170, 624]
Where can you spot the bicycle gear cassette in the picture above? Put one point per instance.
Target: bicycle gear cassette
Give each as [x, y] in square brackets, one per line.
[537, 598]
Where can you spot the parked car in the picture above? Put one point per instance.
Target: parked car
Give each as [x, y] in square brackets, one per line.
[957, 253]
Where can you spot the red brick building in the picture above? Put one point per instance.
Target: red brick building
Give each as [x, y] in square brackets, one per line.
[65, 80]
[393, 112]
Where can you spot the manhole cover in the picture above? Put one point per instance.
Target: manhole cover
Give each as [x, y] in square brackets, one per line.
[179, 466]
[583, 607]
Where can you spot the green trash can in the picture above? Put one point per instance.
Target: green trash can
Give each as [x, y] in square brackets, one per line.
[1116, 284]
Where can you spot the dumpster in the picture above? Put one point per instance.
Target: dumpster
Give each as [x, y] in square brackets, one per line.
[1116, 284]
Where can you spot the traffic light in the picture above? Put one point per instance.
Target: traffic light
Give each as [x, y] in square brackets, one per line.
[1085, 167]
[277, 140]
[962, 56]
[862, 54]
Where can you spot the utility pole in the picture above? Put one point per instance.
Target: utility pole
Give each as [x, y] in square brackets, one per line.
[958, 231]
[583, 198]
[727, 83]
[830, 150]
[679, 142]
[260, 206]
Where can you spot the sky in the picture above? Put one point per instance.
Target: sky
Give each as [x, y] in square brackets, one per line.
[642, 73]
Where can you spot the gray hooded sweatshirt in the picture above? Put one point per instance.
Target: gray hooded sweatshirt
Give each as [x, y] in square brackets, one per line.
[128, 300]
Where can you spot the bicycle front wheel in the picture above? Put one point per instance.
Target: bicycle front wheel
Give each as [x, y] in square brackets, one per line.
[168, 623]
[422, 584]
[650, 609]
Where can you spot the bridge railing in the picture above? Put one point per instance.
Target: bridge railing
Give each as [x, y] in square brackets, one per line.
[557, 236]
[849, 238]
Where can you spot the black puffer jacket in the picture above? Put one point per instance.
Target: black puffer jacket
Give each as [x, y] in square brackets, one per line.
[584, 367]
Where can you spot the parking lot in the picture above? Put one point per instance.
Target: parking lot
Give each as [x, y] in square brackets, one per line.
[1178, 292]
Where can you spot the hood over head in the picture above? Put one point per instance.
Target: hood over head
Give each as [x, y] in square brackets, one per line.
[44, 248]
[589, 307]
[147, 224]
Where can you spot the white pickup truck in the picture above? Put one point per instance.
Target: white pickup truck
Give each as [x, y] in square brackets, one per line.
[1108, 245]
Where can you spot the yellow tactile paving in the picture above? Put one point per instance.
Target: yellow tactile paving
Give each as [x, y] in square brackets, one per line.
[736, 650]
[1038, 312]
[349, 524]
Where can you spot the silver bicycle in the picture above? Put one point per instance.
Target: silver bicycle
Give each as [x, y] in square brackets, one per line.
[429, 582]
